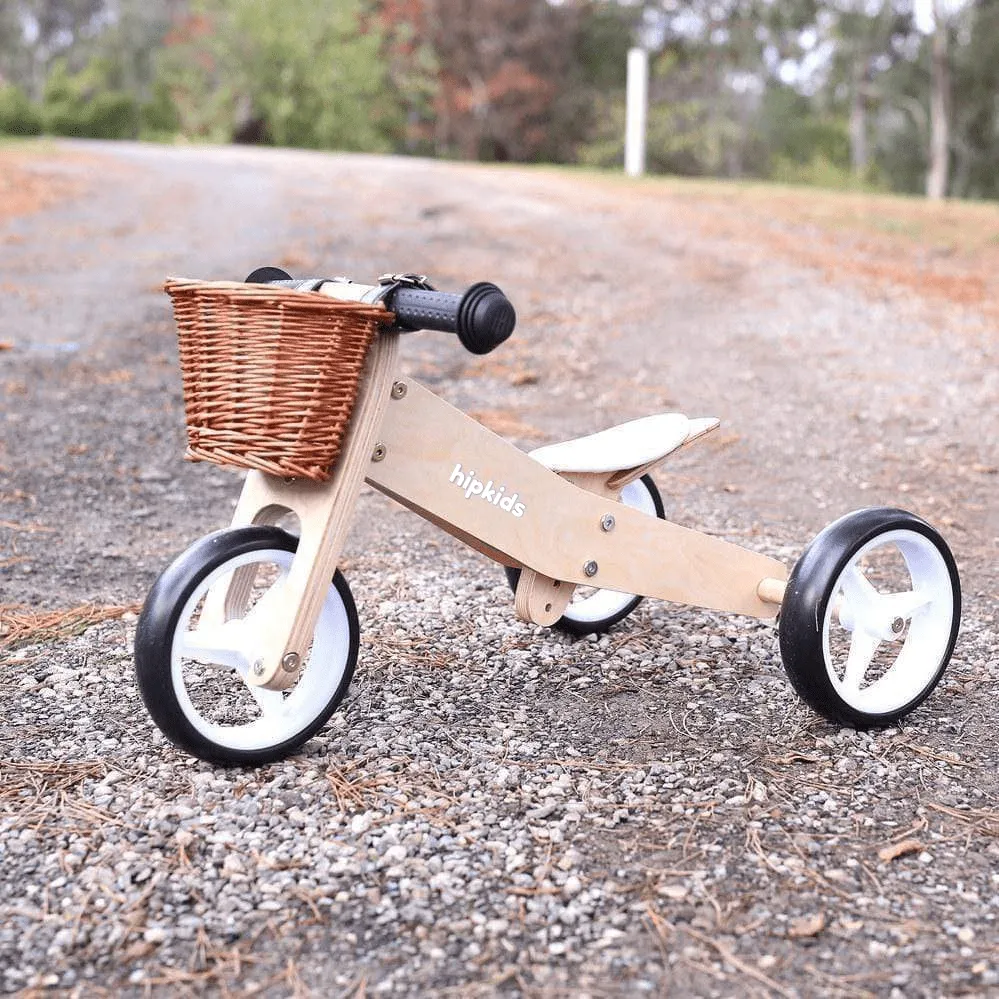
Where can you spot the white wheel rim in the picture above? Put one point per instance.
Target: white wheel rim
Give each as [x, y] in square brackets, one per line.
[599, 605]
[898, 637]
[231, 647]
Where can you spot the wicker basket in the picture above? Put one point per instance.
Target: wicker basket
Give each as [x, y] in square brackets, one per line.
[270, 375]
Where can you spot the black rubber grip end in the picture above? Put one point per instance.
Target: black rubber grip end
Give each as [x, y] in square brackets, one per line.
[486, 318]
[267, 275]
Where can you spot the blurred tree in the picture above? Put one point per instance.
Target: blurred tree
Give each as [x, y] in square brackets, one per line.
[817, 91]
[866, 39]
[35, 33]
[974, 126]
[412, 68]
[506, 67]
[713, 64]
[291, 73]
[940, 99]
[87, 104]
[18, 115]
[188, 70]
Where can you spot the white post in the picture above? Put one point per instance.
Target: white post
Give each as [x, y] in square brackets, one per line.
[638, 101]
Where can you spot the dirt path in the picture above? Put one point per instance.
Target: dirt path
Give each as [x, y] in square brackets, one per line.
[632, 298]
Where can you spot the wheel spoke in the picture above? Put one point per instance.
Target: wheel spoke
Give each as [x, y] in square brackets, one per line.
[903, 605]
[270, 702]
[215, 647]
[861, 596]
[258, 619]
[862, 649]
[865, 608]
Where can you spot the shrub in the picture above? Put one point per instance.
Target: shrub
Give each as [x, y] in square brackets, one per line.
[112, 114]
[82, 106]
[18, 116]
[158, 117]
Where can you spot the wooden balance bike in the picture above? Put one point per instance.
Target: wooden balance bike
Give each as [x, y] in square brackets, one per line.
[245, 647]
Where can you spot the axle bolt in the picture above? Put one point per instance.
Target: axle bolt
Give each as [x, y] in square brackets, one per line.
[290, 662]
[607, 523]
[590, 568]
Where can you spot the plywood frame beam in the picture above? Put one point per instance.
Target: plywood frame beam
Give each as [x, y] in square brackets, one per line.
[455, 471]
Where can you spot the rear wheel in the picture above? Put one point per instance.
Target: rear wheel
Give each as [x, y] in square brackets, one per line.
[200, 633]
[593, 610]
[870, 617]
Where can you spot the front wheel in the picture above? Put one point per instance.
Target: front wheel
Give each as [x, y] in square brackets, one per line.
[870, 617]
[593, 610]
[200, 632]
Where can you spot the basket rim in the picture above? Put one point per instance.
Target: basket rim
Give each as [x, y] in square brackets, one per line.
[376, 311]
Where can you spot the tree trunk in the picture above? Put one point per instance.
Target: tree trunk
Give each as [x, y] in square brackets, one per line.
[859, 154]
[936, 178]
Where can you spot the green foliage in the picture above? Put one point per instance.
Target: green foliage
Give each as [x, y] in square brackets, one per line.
[188, 76]
[605, 147]
[801, 145]
[83, 105]
[589, 92]
[18, 116]
[686, 137]
[828, 92]
[313, 76]
[975, 71]
[820, 171]
[295, 73]
[158, 117]
[110, 114]
[413, 79]
[602, 45]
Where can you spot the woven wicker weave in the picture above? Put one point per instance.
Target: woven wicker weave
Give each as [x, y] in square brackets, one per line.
[270, 375]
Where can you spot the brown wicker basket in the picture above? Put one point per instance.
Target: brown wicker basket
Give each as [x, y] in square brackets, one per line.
[270, 375]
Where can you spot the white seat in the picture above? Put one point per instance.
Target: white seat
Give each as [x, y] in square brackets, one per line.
[628, 445]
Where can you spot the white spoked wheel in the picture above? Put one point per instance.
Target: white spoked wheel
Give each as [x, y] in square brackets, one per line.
[870, 617]
[200, 634]
[593, 610]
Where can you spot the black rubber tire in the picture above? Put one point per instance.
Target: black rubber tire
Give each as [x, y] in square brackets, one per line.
[580, 628]
[155, 635]
[806, 600]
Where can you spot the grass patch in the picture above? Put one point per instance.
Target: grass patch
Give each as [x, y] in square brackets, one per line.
[941, 252]
[963, 225]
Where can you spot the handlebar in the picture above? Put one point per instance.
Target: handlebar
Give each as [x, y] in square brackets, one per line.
[482, 316]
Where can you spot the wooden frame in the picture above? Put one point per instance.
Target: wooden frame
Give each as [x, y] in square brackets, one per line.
[562, 529]
[324, 511]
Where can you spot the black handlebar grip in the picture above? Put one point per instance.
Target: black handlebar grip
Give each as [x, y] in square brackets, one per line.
[420, 309]
[483, 317]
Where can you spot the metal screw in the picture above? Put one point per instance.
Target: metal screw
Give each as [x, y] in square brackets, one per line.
[290, 662]
[607, 522]
[398, 390]
[898, 626]
[379, 452]
[258, 668]
[590, 568]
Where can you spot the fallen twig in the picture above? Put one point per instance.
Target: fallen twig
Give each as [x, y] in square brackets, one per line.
[19, 625]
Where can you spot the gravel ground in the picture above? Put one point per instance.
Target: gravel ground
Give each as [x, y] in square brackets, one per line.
[496, 809]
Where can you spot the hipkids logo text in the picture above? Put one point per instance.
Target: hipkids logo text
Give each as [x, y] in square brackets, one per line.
[488, 491]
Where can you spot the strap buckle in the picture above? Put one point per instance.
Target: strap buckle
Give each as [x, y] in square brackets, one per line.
[420, 281]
